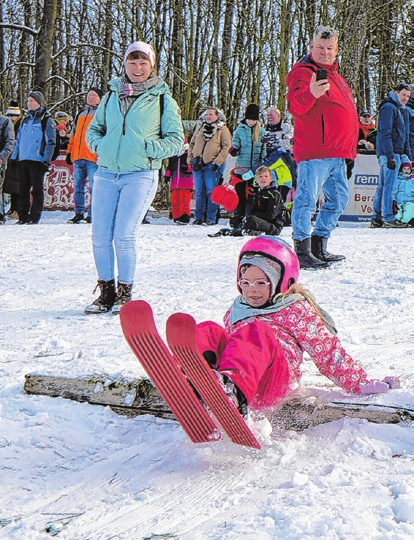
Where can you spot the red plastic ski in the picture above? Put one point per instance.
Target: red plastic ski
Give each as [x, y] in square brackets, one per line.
[181, 337]
[139, 329]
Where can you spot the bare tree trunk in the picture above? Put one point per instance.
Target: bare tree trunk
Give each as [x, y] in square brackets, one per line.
[44, 46]
[106, 55]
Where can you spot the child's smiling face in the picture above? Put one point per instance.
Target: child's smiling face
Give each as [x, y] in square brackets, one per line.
[256, 295]
[264, 179]
[406, 171]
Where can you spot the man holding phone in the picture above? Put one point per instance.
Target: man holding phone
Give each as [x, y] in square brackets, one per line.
[326, 130]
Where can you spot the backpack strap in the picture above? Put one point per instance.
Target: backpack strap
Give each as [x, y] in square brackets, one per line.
[161, 102]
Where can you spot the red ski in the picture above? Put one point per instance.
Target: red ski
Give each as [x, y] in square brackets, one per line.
[139, 329]
[181, 337]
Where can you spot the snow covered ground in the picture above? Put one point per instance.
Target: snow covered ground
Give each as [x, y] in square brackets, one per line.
[76, 471]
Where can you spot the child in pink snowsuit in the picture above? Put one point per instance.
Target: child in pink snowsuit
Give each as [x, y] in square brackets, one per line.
[270, 326]
[181, 186]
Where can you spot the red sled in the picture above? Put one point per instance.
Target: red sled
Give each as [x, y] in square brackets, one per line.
[225, 196]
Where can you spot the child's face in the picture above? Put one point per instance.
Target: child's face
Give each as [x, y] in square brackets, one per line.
[264, 179]
[257, 292]
[62, 133]
[406, 171]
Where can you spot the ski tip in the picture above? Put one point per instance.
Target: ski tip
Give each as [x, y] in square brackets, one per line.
[133, 311]
[181, 319]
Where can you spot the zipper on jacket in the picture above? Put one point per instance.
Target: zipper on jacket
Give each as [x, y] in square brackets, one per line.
[323, 131]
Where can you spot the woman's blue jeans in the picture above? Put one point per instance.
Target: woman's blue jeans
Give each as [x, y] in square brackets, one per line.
[316, 176]
[205, 180]
[120, 201]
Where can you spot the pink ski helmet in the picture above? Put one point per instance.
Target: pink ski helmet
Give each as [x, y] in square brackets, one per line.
[278, 250]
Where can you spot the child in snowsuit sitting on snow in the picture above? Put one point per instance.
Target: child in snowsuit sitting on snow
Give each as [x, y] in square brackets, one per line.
[403, 195]
[181, 185]
[268, 211]
[268, 328]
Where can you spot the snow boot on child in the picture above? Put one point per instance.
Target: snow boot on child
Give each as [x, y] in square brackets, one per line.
[106, 299]
[123, 295]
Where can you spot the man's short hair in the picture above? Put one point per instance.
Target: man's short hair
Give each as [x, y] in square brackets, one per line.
[325, 32]
[403, 86]
[260, 170]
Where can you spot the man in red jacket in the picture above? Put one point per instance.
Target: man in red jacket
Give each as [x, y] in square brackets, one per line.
[326, 130]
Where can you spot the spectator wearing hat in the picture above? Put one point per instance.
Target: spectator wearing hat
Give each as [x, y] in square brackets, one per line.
[209, 146]
[35, 144]
[62, 131]
[13, 110]
[283, 130]
[367, 135]
[403, 195]
[136, 126]
[84, 161]
[6, 148]
[393, 142]
[249, 151]
[62, 117]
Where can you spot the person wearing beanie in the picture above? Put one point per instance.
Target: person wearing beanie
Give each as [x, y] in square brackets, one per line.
[62, 117]
[62, 138]
[367, 135]
[13, 110]
[403, 196]
[35, 144]
[84, 161]
[6, 148]
[135, 127]
[249, 152]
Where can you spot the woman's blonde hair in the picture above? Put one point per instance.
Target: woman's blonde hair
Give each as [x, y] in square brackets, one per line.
[298, 288]
[255, 132]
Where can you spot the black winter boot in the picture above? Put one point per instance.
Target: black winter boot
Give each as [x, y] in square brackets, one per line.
[106, 299]
[123, 295]
[306, 259]
[318, 245]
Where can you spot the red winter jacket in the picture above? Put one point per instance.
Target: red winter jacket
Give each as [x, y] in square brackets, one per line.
[299, 329]
[326, 127]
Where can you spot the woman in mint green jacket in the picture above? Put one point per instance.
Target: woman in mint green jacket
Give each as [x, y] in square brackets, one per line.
[136, 126]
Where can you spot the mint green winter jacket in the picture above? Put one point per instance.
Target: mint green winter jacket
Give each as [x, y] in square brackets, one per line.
[139, 140]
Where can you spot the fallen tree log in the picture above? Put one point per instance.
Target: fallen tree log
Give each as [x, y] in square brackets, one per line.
[138, 397]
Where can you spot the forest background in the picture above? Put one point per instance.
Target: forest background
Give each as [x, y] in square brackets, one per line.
[225, 53]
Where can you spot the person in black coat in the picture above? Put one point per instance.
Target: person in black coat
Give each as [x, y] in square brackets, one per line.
[268, 211]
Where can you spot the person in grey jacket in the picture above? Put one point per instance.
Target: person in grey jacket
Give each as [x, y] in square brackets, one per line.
[6, 148]
[35, 143]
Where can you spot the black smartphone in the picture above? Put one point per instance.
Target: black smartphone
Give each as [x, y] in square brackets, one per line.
[321, 74]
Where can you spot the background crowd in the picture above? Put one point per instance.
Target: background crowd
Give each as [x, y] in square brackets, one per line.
[287, 170]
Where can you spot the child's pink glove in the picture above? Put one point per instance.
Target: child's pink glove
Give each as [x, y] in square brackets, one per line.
[393, 382]
[374, 386]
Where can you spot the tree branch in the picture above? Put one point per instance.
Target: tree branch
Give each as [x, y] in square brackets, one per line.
[72, 96]
[20, 27]
[79, 45]
[30, 64]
